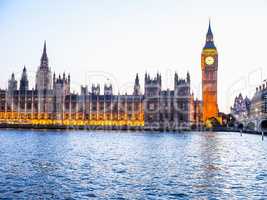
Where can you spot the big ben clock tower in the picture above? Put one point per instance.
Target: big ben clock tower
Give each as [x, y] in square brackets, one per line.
[209, 66]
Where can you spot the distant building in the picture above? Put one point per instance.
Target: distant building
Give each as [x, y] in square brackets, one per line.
[258, 108]
[252, 114]
[241, 107]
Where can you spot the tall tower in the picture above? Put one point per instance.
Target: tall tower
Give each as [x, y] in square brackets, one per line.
[136, 86]
[209, 66]
[24, 83]
[12, 84]
[43, 75]
[152, 100]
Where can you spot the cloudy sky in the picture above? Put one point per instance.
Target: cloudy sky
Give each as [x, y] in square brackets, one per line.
[111, 40]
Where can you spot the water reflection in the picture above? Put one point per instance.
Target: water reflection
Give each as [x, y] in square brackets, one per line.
[210, 156]
[75, 165]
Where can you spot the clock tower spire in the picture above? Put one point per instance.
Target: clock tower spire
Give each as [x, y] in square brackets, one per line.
[209, 39]
[209, 67]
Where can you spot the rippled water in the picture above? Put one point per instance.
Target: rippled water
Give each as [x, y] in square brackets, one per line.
[111, 165]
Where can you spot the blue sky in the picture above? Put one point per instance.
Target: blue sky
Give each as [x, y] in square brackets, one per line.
[111, 40]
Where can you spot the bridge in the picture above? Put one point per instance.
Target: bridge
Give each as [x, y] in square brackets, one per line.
[255, 123]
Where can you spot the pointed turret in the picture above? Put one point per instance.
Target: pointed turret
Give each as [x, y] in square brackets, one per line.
[43, 75]
[12, 84]
[44, 58]
[54, 80]
[69, 79]
[209, 39]
[209, 33]
[188, 77]
[146, 77]
[136, 80]
[175, 79]
[24, 83]
[44, 49]
[136, 86]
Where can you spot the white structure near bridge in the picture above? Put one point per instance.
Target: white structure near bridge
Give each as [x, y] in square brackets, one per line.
[251, 114]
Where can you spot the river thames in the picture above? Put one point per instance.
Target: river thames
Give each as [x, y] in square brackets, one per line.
[135, 165]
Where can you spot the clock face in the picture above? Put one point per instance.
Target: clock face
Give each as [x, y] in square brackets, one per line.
[209, 60]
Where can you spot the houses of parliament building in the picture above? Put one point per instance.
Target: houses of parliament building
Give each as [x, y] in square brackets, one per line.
[51, 102]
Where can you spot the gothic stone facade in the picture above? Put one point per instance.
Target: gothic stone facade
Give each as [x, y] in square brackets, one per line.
[51, 102]
[168, 108]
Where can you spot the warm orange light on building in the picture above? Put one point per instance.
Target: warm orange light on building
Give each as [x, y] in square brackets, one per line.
[15, 118]
[209, 67]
